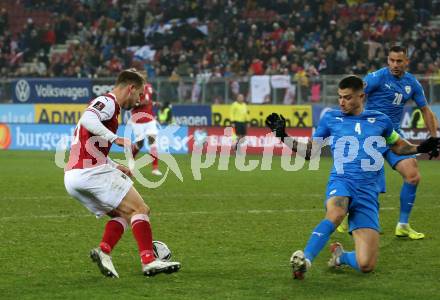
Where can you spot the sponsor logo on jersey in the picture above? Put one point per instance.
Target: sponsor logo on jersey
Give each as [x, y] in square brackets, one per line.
[388, 85]
[340, 119]
[371, 120]
[99, 105]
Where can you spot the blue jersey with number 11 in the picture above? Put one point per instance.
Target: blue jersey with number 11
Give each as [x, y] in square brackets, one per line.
[388, 94]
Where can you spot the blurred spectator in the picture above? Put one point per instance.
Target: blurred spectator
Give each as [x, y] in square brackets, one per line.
[221, 37]
[3, 21]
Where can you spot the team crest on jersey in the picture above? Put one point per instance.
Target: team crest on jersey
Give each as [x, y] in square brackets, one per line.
[371, 120]
[99, 105]
[407, 89]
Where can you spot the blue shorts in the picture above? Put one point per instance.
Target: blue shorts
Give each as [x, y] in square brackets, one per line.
[363, 208]
[393, 158]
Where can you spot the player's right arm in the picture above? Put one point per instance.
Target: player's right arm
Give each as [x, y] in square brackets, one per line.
[277, 124]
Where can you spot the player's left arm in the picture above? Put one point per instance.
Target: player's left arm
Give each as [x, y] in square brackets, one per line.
[401, 146]
[430, 119]
[428, 115]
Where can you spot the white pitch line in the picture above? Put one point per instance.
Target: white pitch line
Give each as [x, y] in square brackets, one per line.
[148, 196]
[213, 212]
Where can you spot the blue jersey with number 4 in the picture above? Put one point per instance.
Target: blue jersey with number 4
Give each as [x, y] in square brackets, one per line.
[388, 94]
[357, 143]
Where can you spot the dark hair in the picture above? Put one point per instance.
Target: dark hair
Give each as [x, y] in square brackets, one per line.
[351, 82]
[130, 76]
[397, 48]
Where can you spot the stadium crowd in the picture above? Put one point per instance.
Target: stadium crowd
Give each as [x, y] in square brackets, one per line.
[222, 38]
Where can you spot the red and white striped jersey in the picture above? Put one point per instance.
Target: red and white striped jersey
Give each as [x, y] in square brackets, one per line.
[89, 150]
[144, 112]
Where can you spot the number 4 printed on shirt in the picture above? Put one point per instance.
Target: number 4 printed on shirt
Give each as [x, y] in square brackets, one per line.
[357, 128]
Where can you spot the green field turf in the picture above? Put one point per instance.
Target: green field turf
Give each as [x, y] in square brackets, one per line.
[232, 231]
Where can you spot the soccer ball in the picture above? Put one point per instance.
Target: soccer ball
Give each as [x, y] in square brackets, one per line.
[161, 251]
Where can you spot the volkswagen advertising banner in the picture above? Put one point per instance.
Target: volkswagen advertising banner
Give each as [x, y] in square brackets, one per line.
[55, 90]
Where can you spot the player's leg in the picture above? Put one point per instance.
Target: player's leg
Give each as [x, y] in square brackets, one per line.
[151, 131]
[343, 227]
[411, 177]
[136, 147]
[240, 130]
[154, 154]
[139, 135]
[133, 208]
[364, 257]
[364, 225]
[87, 187]
[337, 207]
[366, 242]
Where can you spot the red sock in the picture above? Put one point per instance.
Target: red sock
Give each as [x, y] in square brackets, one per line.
[153, 153]
[134, 150]
[112, 234]
[140, 226]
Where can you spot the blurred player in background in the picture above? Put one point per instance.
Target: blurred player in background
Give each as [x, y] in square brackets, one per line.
[388, 90]
[144, 126]
[354, 185]
[165, 114]
[239, 118]
[103, 186]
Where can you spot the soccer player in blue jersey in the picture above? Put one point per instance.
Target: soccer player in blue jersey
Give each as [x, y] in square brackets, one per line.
[387, 90]
[357, 138]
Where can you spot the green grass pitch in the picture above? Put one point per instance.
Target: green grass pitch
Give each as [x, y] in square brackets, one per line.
[232, 231]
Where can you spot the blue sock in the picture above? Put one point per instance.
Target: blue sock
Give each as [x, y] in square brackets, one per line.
[407, 198]
[318, 239]
[349, 258]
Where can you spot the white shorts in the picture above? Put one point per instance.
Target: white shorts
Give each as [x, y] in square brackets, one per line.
[100, 189]
[142, 130]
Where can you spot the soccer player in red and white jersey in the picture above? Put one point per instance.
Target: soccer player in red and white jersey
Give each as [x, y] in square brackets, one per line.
[144, 126]
[103, 186]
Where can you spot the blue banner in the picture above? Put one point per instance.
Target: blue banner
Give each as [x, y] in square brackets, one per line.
[172, 139]
[192, 115]
[59, 90]
[11, 113]
[436, 110]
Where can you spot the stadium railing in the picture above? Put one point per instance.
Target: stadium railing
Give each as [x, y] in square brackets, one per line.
[204, 90]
